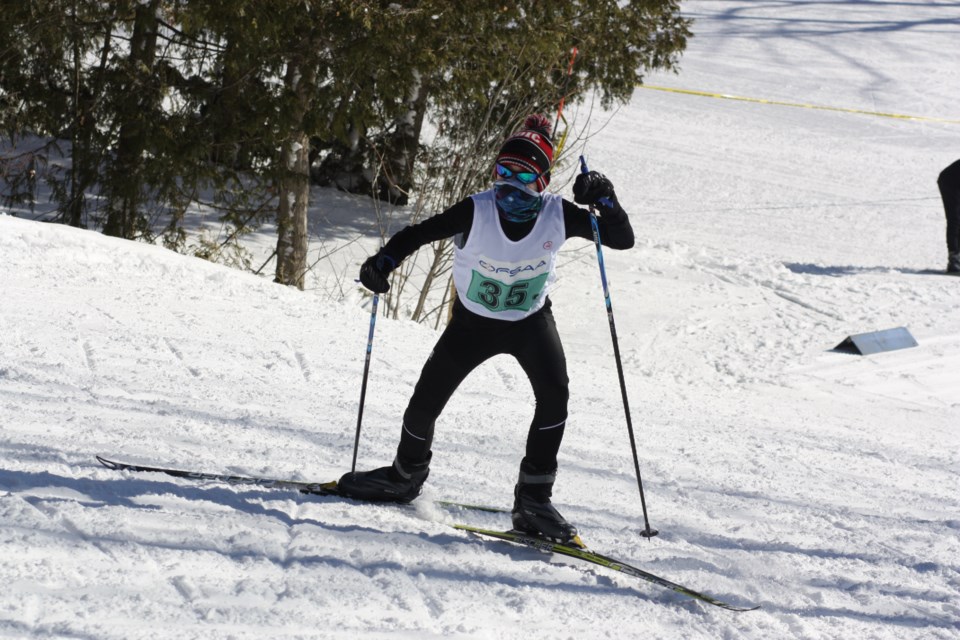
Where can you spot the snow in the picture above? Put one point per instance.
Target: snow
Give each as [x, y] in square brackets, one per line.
[819, 485]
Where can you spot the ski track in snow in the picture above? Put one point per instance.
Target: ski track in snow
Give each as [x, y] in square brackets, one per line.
[820, 485]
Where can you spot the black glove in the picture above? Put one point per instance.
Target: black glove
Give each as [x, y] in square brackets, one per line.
[375, 271]
[592, 187]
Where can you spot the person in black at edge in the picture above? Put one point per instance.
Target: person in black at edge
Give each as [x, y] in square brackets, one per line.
[506, 245]
[949, 184]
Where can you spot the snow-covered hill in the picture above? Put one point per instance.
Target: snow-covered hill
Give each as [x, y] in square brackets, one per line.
[820, 485]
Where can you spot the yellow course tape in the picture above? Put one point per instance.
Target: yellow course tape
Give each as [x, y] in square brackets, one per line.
[726, 96]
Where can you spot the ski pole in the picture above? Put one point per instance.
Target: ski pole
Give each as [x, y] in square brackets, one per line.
[647, 532]
[363, 385]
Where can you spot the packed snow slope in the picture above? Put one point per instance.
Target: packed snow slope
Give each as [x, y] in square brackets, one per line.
[820, 485]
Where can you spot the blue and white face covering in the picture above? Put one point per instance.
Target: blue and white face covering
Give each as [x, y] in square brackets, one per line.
[516, 202]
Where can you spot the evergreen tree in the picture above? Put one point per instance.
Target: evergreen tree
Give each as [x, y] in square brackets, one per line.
[250, 100]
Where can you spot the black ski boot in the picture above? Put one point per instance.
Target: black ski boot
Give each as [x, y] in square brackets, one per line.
[953, 264]
[396, 483]
[532, 511]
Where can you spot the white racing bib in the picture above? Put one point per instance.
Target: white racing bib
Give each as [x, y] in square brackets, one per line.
[499, 278]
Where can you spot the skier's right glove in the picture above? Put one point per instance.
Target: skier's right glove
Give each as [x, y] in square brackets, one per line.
[375, 271]
[592, 188]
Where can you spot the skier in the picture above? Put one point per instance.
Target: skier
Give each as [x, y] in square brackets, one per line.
[949, 184]
[506, 244]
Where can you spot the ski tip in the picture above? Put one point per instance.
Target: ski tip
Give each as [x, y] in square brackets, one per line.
[110, 464]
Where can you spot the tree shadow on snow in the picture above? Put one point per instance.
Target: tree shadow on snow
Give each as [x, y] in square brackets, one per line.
[852, 270]
[47, 492]
[45, 488]
[790, 25]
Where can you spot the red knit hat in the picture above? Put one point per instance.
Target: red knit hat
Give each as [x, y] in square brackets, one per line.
[530, 149]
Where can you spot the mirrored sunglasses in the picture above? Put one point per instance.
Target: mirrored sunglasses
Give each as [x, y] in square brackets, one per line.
[524, 177]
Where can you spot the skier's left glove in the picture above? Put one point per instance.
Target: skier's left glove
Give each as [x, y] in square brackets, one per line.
[375, 271]
[593, 188]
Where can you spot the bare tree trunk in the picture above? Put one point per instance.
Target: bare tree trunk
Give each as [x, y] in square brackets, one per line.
[293, 189]
[293, 185]
[224, 107]
[401, 148]
[86, 159]
[126, 179]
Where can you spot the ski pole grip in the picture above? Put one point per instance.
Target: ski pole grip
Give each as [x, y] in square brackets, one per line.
[583, 169]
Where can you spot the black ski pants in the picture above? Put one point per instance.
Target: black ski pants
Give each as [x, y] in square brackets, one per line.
[949, 184]
[468, 341]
